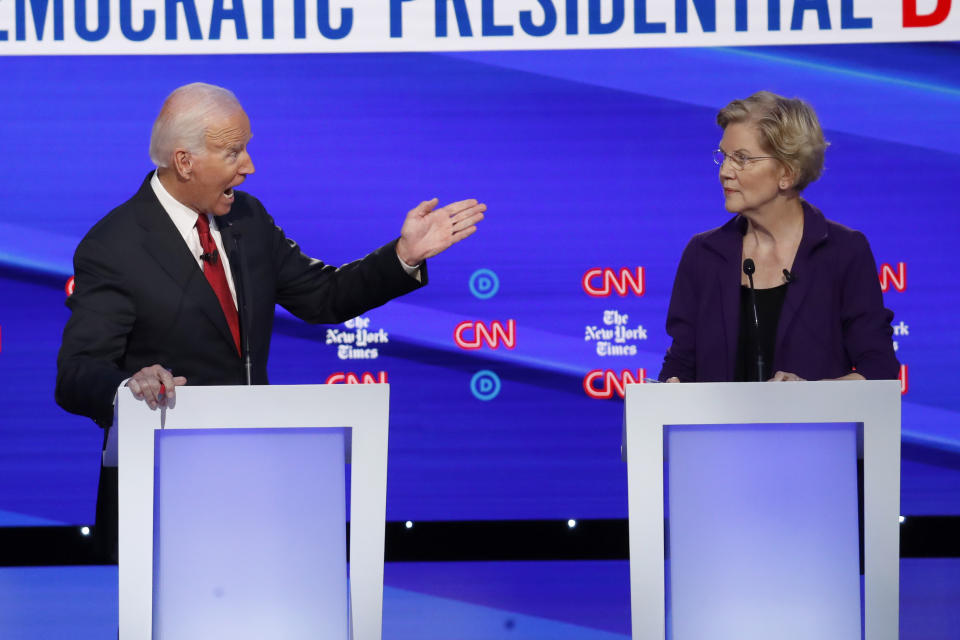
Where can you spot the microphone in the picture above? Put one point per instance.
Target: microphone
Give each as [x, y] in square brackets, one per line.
[244, 314]
[789, 276]
[749, 268]
[210, 258]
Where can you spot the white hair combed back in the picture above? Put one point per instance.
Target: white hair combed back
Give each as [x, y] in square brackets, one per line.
[183, 119]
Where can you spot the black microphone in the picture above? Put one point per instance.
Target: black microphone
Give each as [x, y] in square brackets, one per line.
[238, 278]
[789, 275]
[749, 268]
[210, 258]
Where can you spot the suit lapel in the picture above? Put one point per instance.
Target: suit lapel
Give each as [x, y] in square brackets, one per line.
[814, 234]
[727, 245]
[163, 242]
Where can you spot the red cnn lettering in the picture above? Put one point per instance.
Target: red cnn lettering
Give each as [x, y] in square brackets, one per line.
[600, 283]
[491, 336]
[610, 383]
[904, 378]
[69, 287]
[912, 19]
[352, 378]
[897, 278]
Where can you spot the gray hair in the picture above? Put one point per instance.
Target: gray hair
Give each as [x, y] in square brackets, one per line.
[182, 122]
[789, 130]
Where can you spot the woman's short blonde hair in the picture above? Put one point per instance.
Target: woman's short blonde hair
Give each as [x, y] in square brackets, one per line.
[789, 131]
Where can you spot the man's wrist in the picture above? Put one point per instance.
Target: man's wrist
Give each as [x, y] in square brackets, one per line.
[411, 269]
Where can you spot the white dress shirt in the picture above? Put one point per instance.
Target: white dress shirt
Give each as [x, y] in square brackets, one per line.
[185, 220]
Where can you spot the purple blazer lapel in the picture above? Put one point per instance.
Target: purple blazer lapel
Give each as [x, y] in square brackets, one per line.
[814, 234]
[727, 244]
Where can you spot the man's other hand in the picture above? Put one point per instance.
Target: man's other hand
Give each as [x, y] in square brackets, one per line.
[427, 231]
[155, 385]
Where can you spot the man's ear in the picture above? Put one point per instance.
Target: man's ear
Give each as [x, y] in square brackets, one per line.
[183, 163]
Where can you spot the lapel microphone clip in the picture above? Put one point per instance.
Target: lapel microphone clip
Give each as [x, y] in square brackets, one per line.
[210, 258]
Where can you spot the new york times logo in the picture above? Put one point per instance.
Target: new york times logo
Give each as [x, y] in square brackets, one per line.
[357, 341]
[615, 337]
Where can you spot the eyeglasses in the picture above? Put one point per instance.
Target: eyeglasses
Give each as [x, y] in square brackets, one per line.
[738, 160]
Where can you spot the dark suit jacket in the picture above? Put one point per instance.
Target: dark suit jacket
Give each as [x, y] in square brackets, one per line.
[141, 299]
[833, 318]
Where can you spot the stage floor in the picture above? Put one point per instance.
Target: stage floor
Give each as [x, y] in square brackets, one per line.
[558, 600]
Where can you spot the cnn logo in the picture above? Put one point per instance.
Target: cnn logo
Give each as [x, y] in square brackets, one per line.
[601, 384]
[351, 378]
[602, 282]
[890, 277]
[472, 334]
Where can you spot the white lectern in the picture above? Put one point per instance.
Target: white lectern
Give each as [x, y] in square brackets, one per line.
[762, 509]
[203, 457]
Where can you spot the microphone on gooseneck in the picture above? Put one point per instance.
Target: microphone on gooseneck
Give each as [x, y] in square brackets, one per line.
[749, 268]
[239, 280]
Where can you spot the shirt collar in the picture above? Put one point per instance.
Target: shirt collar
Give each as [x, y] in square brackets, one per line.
[182, 216]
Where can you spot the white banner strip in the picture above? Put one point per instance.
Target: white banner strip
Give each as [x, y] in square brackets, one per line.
[41, 27]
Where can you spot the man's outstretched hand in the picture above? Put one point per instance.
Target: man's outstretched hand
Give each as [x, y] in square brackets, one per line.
[427, 231]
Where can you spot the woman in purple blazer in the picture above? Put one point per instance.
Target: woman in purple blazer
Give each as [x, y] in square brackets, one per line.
[818, 311]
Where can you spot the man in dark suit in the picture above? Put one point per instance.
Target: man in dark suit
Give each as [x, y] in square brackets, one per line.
[178, 284]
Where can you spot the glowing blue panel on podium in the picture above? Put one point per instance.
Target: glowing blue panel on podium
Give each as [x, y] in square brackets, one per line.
[763, 538]
[244, 521]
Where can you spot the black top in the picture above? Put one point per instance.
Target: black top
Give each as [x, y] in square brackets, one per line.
[769, 304]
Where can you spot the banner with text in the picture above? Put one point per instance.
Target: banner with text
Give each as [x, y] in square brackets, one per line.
[38, 27]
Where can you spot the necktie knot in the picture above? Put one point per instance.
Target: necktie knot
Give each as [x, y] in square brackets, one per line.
[209, 247]
[203, 224]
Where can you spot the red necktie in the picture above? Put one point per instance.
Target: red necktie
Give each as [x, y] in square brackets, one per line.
[217, 277]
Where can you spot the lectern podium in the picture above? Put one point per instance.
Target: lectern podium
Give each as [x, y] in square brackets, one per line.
[762, 511]
[276, 452]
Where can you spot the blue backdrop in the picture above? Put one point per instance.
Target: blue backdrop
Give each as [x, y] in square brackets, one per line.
[587, 160]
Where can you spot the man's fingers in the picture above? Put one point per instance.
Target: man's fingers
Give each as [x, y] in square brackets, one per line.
[426, 207]
[170, 389]
[154, 385]
[152, 388]
[166, 379]
[149, 388]
[467, 220]
[460, 234]
[454, 208]
[784, 376]
[470, 211]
